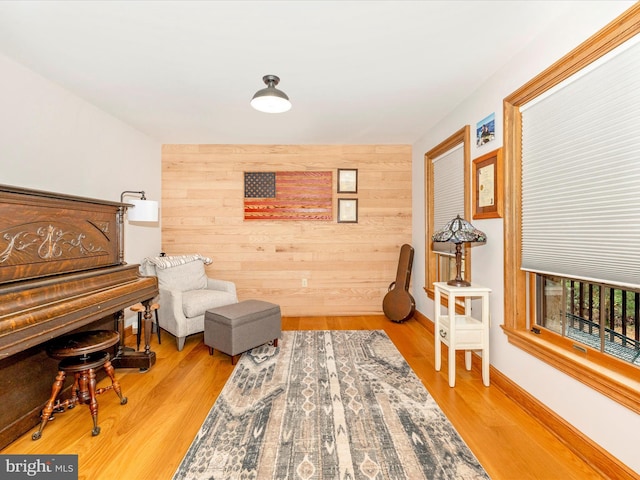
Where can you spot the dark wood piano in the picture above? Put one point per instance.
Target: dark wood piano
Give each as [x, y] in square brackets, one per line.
[61, 270]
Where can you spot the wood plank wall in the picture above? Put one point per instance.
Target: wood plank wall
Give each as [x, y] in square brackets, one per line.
[348, 267]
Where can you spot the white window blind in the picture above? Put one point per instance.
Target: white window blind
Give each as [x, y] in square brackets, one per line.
[448, 191]
[581, 175]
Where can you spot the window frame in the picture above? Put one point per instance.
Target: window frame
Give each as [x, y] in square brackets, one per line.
[462, 136]
[609, 376]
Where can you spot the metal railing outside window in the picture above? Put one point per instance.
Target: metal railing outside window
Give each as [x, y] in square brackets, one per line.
[602, 317]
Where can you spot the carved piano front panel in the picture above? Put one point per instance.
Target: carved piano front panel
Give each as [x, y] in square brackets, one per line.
[41, 235]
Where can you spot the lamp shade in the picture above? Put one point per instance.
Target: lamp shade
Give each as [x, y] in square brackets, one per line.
[143, 211]
[459, 230]
[270, 99]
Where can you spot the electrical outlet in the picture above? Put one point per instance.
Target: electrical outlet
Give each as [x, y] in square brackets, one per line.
[304, 282]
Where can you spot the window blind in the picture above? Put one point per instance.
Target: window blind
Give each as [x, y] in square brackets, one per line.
[448, 191]
[581, 175]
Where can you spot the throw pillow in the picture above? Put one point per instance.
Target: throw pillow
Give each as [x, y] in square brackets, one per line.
[190, 276]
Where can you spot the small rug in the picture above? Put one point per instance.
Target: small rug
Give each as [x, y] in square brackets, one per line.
[339, 405]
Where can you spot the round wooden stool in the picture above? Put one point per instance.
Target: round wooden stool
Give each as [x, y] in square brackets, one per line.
[82, 354]
[139, 309]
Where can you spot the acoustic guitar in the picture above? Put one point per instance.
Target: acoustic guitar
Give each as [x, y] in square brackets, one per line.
[398, 304]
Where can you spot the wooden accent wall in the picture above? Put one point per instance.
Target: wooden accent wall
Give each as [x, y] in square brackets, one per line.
[348, 267]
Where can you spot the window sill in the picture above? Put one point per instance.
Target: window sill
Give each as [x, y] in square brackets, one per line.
[429, 292]
[613, 378]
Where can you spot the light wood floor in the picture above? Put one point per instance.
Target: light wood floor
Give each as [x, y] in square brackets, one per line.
[147, 438]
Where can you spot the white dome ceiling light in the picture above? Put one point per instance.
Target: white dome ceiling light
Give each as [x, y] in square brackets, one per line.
[270, 99]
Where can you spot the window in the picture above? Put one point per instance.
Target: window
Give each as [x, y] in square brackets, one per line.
[601, 317]
[546, 270]
[447, 170]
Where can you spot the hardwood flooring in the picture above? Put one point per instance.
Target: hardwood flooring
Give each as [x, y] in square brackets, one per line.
[147, 438]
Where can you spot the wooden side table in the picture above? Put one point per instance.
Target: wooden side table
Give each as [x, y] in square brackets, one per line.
[461, 332]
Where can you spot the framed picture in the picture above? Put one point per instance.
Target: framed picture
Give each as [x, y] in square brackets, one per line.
[347, 180]
[486, 130]
[347, 210]
[487, 185]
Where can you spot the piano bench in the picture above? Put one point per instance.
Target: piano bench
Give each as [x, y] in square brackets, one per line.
[82, 354]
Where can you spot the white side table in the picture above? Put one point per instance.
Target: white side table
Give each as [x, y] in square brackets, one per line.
[462, 332]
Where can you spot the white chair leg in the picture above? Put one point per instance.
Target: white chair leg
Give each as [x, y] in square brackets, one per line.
[180, 342]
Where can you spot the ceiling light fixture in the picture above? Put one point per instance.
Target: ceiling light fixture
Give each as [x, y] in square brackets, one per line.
[270, 99]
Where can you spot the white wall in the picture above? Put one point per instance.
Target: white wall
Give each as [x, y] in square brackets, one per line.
[52, 140]
[607, 423]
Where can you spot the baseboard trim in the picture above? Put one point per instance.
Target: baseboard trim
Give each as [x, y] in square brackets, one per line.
[585, 448]
[424, 321]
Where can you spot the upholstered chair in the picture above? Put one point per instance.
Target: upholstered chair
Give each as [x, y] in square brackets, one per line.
[186, 293]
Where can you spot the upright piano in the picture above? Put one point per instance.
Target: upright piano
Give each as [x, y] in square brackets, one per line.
[61, 270]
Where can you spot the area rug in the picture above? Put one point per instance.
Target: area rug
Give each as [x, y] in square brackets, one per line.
[339, 405]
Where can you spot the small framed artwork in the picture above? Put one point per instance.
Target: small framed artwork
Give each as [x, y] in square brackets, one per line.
[486, 130]
[347, 210]
[487, 185]
[347, 180]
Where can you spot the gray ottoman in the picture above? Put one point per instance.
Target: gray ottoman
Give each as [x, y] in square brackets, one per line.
[236, 328]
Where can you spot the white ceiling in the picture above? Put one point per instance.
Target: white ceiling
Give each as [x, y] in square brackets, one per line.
[357, 72]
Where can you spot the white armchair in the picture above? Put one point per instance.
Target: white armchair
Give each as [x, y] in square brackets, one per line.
[186, 293]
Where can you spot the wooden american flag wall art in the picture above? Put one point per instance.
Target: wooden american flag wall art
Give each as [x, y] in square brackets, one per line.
[288, 195]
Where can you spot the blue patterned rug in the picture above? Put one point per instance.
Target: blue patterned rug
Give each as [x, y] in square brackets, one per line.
[339, 405]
